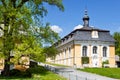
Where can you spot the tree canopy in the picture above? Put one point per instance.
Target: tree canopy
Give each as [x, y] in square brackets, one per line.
[20, 36]
[116, 36]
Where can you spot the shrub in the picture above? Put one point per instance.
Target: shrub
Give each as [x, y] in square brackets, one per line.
[85, 60]
[105, 62]
[15, 72]
[33, 64]
[18, 73]
[26, 73]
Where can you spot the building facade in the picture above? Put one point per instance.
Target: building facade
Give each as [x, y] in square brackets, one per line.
[87, 46]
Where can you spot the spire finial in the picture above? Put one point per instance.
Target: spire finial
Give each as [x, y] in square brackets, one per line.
[86, 19]
[86, 12]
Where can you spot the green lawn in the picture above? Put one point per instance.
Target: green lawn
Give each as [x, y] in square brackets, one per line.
[38, 73]
[59, 65]
[109, 72]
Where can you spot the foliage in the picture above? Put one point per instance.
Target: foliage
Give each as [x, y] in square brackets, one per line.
[85, 60]
[18, 73]
[34, 51]
[38, 73]
[18, 18]
[116, 36]
[33, 63]
[50, 51]
[45, 34]
[1, 44]
[109, 72]
[105, 62]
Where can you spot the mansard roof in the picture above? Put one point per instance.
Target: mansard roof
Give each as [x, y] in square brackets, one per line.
[85, 34]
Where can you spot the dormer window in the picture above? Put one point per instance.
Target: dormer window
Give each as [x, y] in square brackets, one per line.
[95, 34]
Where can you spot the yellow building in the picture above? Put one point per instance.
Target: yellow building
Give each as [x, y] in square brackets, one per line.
[86, 47]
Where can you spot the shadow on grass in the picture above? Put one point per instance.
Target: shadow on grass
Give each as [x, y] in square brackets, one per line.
[38, 70]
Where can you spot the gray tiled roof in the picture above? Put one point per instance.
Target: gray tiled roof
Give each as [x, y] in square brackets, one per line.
[85, 34]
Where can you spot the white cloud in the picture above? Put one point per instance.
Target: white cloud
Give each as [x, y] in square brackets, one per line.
[78, 26]
[56, 29]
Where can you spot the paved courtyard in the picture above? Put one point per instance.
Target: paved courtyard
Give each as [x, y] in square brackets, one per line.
[73, 74]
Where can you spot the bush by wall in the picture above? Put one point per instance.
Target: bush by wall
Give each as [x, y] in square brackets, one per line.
[85, 60]
[105, 62]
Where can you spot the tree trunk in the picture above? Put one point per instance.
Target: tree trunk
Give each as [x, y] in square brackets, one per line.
[6, 70]
[6, 46]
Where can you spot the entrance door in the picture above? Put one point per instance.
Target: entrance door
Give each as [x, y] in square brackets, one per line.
[95, 57]
[95, 61]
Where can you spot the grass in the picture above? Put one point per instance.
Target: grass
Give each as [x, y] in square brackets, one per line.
[38, 73]
[109, 72]
[57, 64]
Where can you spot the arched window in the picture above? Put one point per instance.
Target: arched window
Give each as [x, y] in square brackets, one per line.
[104, 51]
[65, 54]
[69, 52]
[84, 51]
[94, 50]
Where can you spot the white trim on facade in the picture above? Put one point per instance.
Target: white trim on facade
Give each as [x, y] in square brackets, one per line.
[105, 58]
[87, 45]
[95, 56]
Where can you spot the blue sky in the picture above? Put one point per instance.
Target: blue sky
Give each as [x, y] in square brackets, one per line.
[104, 14]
